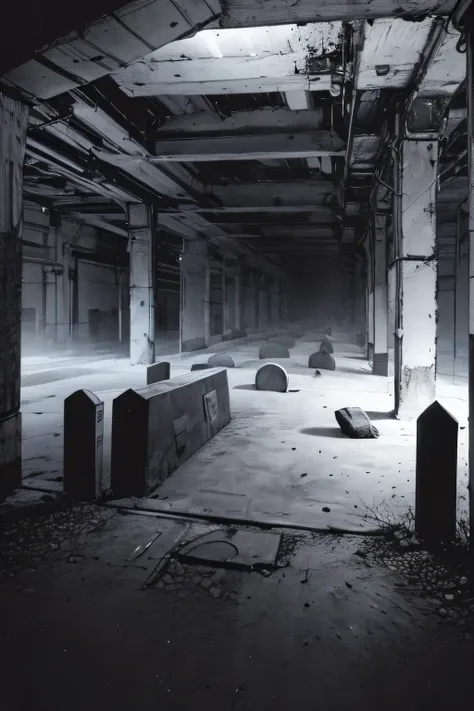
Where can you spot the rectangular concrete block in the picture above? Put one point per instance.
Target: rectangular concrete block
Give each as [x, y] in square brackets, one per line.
[157, 428]
[10, 455]
[157, 372]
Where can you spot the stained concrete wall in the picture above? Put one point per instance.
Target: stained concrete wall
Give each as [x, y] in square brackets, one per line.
[66, 299]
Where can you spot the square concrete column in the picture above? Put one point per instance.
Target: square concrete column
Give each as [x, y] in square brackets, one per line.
[470, 128]
[369, 302]
[392, 315]
[195, 291]
[13, 125]
[228, 299]
[142, 292]
[249, 301]
[380, 360]
[415, 372]
[275, 300]
[238, 303]
[263, 303]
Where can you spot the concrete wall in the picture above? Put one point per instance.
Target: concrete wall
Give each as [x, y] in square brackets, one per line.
[67, 298]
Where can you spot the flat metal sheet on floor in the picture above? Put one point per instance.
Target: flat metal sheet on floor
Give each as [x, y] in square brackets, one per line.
[241, 548]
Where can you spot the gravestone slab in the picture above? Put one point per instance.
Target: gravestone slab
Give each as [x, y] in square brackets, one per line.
[83, 445]
[221, 360]
[286, 341]
[326, 346]
[436, 474]
[157, 372]
[355, 423]
[273, 377]
[199, 366]
[325, 361]
[273, 350]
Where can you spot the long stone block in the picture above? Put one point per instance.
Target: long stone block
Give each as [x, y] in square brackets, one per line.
[157, 428]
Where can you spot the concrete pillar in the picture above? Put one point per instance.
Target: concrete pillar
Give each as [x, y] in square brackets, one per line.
[275, 300]
[392, 314]
[142, 297]
[228, 299]
[249, 301]
[238, 303]
[380, 360]
[263, 303]
[415, 370]
[369, 302]
[195, 290]
[13, 125]
[470, 127]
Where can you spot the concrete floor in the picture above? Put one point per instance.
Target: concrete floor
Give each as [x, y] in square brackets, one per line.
[326, 630]
[253, 469]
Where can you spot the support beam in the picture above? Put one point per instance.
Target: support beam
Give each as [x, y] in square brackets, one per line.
[415, 376]
[141, 222]
[13, 126]
[195, 296]
[263, 147]
[369, 301]
[211, 123]
[380, 361]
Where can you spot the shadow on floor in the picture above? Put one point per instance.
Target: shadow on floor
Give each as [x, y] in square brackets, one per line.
[334, 432]
[380, 415]
[354, 371]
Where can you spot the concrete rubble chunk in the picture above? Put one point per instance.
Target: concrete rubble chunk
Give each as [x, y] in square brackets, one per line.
[273, 350]
[325, 361]
[221, 360]
[355, 423]
[272, 377]
[326, 346]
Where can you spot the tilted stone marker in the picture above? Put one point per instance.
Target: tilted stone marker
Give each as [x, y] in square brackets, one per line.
[221, 360]
[325, 361]
[199, 366]
[273, 350]
[355, 423]
[157, 428]
[83, 445]
[326, 346]
[157, 372]
[436, 474]
[273, 377]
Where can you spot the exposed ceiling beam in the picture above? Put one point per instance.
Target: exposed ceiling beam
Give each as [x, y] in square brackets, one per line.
[284, 145]
[268, 120]
[152, 86]
[114, 41]
[237, 61]
[295, 193]
[248, 13]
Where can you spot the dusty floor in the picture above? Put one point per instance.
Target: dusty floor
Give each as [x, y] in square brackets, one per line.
[281, 460]
[327, 629]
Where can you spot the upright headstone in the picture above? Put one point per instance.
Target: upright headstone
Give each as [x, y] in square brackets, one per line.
[273, 377]
[221, 360]
[325, 361]
[199, 366]
[157, 372]
[83, 445]
[436, 474]
[326, 346]
[273, 350]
